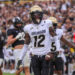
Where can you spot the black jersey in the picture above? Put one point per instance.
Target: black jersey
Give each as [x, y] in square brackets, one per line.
[15, 32]
[1, 49]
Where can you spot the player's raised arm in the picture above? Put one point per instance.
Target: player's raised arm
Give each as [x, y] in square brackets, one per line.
[66, 42]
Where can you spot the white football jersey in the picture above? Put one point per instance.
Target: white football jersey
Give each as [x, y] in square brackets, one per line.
[55, 41]
[40, 37]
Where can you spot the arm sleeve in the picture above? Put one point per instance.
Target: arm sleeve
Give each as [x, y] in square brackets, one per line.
[23, 52]
[61, 34]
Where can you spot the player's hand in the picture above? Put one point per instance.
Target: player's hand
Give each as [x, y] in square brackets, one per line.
[19, 36]
[49, 57]
[19, 64]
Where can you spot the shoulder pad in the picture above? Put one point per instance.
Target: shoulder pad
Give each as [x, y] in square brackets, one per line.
[48, 22]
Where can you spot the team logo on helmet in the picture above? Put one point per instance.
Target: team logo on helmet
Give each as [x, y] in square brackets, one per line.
[54, 21]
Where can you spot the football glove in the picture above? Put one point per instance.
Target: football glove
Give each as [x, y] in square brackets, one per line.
[19, 36]
[51, 56]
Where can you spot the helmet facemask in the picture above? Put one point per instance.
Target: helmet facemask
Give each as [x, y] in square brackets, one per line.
[36, 17]
[55, 25]
[54, 21]
[16, 22]
[17, 26]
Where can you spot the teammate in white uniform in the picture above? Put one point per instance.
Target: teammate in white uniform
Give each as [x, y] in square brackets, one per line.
[57, 62]
[38, 34]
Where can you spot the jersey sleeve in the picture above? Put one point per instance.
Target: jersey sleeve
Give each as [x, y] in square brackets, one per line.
[9, 32]
[25, 29]
[60, 34]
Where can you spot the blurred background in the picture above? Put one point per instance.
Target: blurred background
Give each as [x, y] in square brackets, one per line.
[63, 10]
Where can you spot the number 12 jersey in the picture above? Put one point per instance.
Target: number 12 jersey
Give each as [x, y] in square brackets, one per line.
[40, 37]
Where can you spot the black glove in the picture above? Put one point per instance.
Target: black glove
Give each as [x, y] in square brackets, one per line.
[19, 64]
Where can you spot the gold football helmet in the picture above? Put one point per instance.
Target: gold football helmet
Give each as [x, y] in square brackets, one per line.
[36, 14]
[35, 8]
[53, 19]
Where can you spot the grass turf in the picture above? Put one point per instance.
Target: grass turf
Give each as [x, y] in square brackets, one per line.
[14, 74]
[11, 74]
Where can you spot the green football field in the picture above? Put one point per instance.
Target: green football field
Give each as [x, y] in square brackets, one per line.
[11, 74]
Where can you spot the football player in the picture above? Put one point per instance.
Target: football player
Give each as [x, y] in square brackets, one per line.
[16, 37]
[56, 48]
[1, 53]
[38, 34]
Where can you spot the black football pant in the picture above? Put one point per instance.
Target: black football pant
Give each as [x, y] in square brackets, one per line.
[57, 65]
[39, 65]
